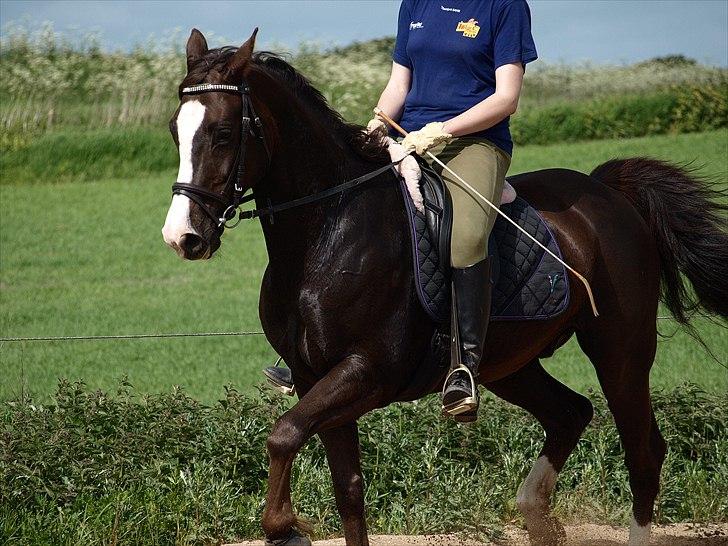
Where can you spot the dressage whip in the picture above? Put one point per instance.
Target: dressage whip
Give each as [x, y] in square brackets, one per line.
[475, 192]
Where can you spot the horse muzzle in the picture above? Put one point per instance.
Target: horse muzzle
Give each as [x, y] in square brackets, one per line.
[191, 246]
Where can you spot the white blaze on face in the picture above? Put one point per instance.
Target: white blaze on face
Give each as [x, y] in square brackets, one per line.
[178, 221]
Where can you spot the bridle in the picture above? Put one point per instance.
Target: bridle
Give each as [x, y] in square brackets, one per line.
[234, 183]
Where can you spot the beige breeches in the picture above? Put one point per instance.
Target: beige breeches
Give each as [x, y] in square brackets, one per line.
[483, 165]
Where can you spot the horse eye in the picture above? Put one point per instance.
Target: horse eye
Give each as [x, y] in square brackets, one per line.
[223, 134]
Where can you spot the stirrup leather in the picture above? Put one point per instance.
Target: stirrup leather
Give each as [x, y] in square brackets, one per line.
[465, 404]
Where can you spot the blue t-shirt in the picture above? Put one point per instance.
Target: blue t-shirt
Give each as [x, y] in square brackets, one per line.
[452, 48]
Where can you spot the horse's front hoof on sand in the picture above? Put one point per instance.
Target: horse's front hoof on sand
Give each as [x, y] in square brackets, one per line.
[294, 539]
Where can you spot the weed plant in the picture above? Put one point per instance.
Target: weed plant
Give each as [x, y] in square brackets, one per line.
[159, 469]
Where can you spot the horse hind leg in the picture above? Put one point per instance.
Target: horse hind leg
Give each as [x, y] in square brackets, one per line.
[623, 369]
[564, 414]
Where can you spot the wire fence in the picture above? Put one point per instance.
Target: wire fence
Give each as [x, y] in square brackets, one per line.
[129, 336]
[176, 335]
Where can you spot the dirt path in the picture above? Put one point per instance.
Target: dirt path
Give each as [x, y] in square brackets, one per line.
[681, 534]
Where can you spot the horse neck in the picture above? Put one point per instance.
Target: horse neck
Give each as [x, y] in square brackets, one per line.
[309, 158]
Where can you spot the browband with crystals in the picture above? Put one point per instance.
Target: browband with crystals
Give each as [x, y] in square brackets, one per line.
[201, 88]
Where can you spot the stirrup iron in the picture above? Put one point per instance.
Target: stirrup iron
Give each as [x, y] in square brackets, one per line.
[466, 404]
[471, 402]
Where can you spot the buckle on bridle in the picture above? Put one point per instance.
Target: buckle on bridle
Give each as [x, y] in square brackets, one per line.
[229, 215]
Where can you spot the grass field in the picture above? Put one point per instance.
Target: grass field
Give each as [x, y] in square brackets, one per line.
[82, 258]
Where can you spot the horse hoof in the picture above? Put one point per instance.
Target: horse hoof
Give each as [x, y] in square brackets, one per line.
[294, 539]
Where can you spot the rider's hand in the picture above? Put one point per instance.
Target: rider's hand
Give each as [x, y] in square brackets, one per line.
[377, 127]
[429, 136]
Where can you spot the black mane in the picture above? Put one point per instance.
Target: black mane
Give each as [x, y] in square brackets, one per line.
[275, 65]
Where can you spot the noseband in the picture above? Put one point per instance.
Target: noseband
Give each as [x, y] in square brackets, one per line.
[230, 205]
[234, 183]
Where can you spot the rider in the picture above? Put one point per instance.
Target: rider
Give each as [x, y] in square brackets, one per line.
[456, 78]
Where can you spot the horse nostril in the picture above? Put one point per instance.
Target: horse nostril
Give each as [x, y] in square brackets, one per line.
[192, 245]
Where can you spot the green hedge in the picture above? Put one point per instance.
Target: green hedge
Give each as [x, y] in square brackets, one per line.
[683, 110]
[72, 154]
[93, 468]
[126, 152]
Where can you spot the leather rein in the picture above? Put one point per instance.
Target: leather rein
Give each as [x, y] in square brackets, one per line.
[251, 125]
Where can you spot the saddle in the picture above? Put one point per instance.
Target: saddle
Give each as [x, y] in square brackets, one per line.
[529, 284]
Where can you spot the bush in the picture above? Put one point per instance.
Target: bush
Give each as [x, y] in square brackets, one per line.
[681, 110]
[89, 155]
[162, 469]
[106, 113]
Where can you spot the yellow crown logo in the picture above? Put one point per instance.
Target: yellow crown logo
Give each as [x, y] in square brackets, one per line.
[469, 29]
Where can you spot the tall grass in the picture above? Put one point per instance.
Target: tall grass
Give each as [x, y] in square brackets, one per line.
[50, 80]
[93, 468]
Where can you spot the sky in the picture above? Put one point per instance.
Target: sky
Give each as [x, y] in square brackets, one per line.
[570, 31]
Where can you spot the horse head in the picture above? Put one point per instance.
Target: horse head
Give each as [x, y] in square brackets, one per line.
[222, 150]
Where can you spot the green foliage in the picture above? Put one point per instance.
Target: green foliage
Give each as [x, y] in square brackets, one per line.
[700, 107]
[83, 155]
[682, 110]
[48, 81]
[671, 60]
[160, 469]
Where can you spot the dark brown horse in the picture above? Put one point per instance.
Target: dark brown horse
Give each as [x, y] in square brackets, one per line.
[338, 299]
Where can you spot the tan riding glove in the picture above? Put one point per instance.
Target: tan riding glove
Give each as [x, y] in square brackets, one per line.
[407, 166]
[428, 137]
[377, 127]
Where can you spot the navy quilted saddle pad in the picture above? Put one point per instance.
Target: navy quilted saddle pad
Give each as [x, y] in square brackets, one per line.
[529, 284]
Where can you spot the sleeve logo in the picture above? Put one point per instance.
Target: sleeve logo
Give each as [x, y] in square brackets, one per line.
[469, 29]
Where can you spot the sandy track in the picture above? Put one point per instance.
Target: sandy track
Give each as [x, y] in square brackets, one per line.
[681, 534]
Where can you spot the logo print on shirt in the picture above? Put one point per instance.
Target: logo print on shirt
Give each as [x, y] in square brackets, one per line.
[443, 8]
[416, 25]
[469, 29]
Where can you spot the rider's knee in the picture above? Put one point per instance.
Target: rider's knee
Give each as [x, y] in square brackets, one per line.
[468, 249]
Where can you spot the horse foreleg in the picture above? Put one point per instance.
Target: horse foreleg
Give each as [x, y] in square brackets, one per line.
[342, 452]
[563, 414]
[340, 398]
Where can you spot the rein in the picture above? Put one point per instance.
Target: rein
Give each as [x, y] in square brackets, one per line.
[349, 184]
[203, 196]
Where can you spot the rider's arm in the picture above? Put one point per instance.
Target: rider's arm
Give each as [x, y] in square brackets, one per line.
[392, 100]
[495, 108]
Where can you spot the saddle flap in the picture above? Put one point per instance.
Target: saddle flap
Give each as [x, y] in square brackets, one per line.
[438, 208]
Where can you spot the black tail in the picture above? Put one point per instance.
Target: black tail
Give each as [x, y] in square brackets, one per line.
[690, 226]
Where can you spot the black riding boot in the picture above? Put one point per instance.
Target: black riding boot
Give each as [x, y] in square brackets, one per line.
[471, 314]
[280, 378]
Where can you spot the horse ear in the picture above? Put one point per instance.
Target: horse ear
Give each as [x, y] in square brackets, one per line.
[242, 56]
[196, 47]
